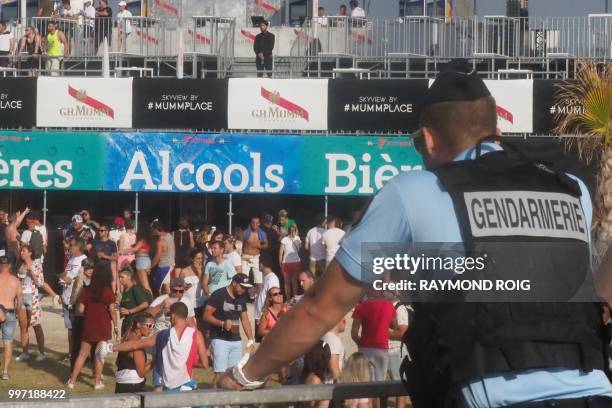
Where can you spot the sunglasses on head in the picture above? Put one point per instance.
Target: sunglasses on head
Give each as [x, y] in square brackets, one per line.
[276, 294]
[178, 290]
[148, 325]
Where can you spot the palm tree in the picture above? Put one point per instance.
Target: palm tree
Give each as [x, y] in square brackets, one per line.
[591, 128]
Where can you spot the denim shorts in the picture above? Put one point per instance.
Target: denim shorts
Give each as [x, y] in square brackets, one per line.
[8, 327]
[27, 301]
[226, 354]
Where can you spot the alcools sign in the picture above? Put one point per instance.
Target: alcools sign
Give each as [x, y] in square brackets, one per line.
[211, 163]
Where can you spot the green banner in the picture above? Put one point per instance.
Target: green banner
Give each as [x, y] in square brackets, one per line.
[216, 163]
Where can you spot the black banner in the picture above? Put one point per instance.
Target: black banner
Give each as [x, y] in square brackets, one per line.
[199, 104]
[546, 105]
[374, 106]
[18, 102]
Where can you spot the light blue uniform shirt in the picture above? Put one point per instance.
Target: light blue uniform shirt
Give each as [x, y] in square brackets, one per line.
[412, 207]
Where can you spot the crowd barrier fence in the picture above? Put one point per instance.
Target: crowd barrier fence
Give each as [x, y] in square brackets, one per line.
[276, 395]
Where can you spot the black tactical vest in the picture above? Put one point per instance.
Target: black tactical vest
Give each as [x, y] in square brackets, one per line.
[501, 198]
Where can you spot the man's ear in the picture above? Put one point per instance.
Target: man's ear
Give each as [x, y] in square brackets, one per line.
[430, 139]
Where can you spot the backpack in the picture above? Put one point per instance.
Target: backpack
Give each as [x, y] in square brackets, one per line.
[36, 244]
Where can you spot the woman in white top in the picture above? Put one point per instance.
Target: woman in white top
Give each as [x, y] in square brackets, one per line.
[126, 241]
[193, 280]
[237, 235]
[232, 255]
[289, 259]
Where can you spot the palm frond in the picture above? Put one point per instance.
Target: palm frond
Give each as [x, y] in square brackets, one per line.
[591, 118]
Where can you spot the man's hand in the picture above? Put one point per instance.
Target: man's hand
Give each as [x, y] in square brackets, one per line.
[167, 303]
[227, 325]
[260, 55]
[226, 381]
[124, 312]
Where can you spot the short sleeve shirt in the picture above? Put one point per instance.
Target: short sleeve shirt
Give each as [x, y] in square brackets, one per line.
[412, 207]
[314, 238]
[226, 308]
[335, 347]
[395, 346]
[376, 317]
[132, 297]
[233, 258]
[220, 275]
[291, 249]
[72, 270]
[106, 247]
[162, 320]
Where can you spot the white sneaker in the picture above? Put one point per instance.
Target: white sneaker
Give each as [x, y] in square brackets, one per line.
[40, 357]
[22, 357]
[99, 386]
[69, 385]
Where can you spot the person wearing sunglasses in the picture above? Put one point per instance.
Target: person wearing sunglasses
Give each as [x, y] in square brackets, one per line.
[275, 307]
[175, 349]
[160, 310]
[132, 366]
[478, 190]
[105, 253]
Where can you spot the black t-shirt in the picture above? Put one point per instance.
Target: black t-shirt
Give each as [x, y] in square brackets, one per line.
[106, 247]
[85, 234]
[226, 308]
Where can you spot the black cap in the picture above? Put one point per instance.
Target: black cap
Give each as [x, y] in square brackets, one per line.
[458, 81]
[4, 260]
[242, 280]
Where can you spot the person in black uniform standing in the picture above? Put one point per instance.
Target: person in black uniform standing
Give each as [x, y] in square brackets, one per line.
[263, 47]
[525, 349]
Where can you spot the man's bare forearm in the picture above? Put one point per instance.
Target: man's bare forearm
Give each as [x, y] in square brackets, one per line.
[323, 306]
[135, 344]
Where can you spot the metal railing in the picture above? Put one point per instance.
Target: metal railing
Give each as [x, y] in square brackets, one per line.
[279, 395]
[494, 36]
[299, 49]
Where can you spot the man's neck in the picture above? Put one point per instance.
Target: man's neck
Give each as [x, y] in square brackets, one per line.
[219, 260]
[230, 292]
[180, 326]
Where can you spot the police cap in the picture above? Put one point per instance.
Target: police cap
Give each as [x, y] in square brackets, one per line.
[457, 82]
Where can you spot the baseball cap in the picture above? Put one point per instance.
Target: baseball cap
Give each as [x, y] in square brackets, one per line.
[4, 260]
[458, 81]
[242, 279]
[122, 3]
[77, 218]
[177, 282]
